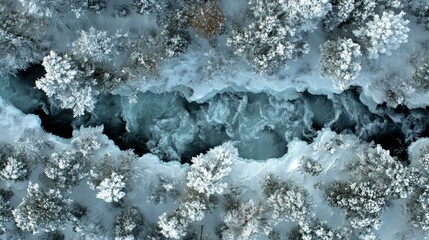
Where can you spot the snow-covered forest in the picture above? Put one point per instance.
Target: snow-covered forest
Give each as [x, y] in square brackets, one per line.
[214, 119]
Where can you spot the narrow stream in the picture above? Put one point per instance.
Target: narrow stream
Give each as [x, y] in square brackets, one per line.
[261, 125]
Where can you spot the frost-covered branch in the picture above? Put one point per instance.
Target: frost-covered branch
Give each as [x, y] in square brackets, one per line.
[42, 210]
[205, 178]
[66, 83]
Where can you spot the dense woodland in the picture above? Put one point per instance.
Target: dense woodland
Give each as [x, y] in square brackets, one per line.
[333, 182]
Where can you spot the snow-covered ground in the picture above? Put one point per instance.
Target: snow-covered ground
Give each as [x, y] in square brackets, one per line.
[286, 134]
[331, 150]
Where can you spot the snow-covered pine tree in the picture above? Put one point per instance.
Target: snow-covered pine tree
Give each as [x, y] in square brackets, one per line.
[341, 10]
[66, 169]
[376, 178]
[23, 38]
[286, 200]
[266, 54]
[276, 34]
[362, 202]
[311, 166]
[418, 208]
[420, 8]
[54, 235]
[113, 177]
[5, 209]
[66, 83]
[111, 189]
[316, 229]
[93, 46]
[417, 205]
[378, 26]
[43, 210]
[302, 16]
[40, 8]
[340, 60]
[91, 231]
[121, 10]
[246, 221]
[173, 224]
[162, 188]
[17, 52]
[389, 174]
[14, 169]
[56, 9]
[383, 34]
[421, 75]
[204, 178]
[207, 171]
[17, 161]
[424, 159]
[32, 146]
[88, 140]
[96, 6]
[13, 166]
[146, 7]
[175, 36]
[366, 10]
[128, 224]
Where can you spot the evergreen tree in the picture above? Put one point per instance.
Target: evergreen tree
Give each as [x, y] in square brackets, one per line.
[366, 10]
[54, 235]
[311, 167]
[389, 174]
[246, 221]
[146, 7]
[41, 8]
[32, 146]
[87, 141]
[363, 203]
[174, 224]
[417, 208]
[113, 177]
[175, 36]
[276, 35]
[377, 178]
[66, 169]
[17, 23]
[287, 201]
[340, 60]
[14, 169]
[128, 224]
[43, 210]
[54, 9]
[13, 164]
[17, 52]
[162, 188]
[317, 230]
[204, 179]
[111, 189]
[420, 8]
[383, 34]
[65, 82]
[207, 171]
[93, 46]
[96, 6]
[5, 209]
[341, 10]
[421, 75]
[424, 159]
[91, 231]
